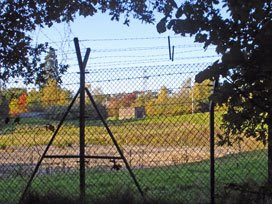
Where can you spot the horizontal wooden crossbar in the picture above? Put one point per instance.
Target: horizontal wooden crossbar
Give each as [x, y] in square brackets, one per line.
[77, 156]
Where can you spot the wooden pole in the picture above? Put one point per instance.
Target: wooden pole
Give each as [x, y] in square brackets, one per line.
[82, 66]
[212, 160]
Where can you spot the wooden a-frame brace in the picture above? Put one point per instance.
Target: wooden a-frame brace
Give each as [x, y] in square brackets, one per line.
[82, 90]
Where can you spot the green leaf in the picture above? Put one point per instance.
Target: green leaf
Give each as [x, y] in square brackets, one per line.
[161, 26]
[179, 12]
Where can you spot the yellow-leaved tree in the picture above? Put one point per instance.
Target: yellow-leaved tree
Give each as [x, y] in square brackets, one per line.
[159, 106]
[200, 95]
[54, 95]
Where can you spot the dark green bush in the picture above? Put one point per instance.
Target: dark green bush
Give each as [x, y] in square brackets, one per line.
[56, 112]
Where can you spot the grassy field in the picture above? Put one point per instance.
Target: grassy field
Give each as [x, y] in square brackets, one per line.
[182, 182]
[188, 183]
[177, 129]
[185, 130]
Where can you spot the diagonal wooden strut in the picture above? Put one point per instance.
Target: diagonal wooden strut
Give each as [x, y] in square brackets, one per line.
[47, 148]
[114, 142]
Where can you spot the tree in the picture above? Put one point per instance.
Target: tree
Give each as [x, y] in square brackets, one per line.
[4, 107]
[128, 99]
[179, 105]
[22, 101]
[143, 99]
[162, 102]
[11, 97]
[18, 54]
[34, 100]
[54, 95]
[150, 108]
[201, 93]
[146, 100]
[113, 106]
[18, 105]
[185, 97]
[160, 106]
[100, 100]
[242, 33]
[99, 96]
[13, 93]
[51, 69]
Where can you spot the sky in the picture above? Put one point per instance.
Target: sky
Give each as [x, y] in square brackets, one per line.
[124, 58]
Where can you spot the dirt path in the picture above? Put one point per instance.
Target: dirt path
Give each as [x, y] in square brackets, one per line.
[22, 160]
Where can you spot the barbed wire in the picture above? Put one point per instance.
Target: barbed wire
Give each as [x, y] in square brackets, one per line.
[136, 56]
[145, 48]
[137, 77]
[131, 49]
[142, 67]
[129, 39]
[121, 39]
[143, 56]
[129, 62]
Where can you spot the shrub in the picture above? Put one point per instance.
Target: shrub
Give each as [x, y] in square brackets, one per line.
[56, 112]
[4, 107]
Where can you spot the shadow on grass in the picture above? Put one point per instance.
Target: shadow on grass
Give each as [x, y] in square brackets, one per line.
[126, 197]
[247, 193]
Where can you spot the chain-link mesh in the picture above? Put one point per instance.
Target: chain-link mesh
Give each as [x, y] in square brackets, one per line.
[240, 167]
[159, 117]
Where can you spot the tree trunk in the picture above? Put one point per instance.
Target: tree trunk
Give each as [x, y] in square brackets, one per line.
[269, 141]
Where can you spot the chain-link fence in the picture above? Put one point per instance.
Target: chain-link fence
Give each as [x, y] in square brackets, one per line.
[240, 167]
[160, 119]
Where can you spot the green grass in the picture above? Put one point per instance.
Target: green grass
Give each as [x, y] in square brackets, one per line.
[184, 183]
[189, 130]
[188, 183]
[196, 118]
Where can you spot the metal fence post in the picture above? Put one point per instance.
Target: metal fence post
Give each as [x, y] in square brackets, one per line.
[82, 66]
[212, 160]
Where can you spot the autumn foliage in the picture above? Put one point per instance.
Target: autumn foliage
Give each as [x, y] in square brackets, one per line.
[188, 99]
[18, 105]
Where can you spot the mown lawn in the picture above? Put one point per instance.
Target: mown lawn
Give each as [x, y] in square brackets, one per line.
[188, 183]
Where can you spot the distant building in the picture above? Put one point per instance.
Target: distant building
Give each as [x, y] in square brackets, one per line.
[131, 112]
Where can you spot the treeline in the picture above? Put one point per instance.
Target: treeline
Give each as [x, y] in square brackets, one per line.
[49, 101]
[188, 99]
[18, 100]
[52, 100]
